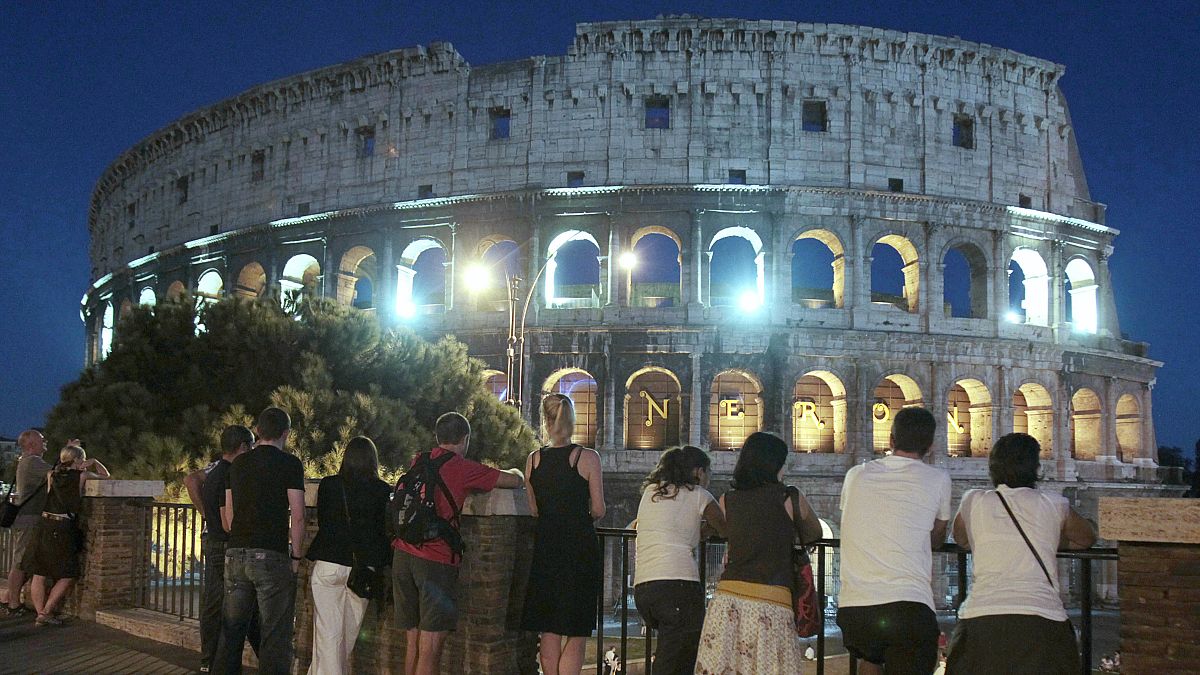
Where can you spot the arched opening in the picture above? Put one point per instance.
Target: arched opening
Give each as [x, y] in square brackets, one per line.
[736, 269]
[176, 290]
[654, 278]
[301, 276]
[819, 413]
[818, 270]
[146, 297]
[497, 382]
[210, 285]
[735, 409]
[573, 271]
[1129, 428]
[1080, 296]
[969, 419]
[1033, 414]
[895, 273]
[1028, 291]
[251, 281]
[107, 320]
[1086, 424]
[893, 393]
[965, 282]
[499, 261]
[356, 279]
[421, 278]
[579, 386]
[653, 409]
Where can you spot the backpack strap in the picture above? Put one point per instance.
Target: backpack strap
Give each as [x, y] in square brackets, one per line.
[437, 471]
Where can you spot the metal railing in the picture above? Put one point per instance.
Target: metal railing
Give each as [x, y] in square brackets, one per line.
[169, 566]
[710, 570]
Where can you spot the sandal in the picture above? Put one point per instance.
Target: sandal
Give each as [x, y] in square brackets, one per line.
[19, 610]
[48, 620]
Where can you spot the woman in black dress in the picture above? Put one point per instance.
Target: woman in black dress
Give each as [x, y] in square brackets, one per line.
[57, 540]
[566, 495]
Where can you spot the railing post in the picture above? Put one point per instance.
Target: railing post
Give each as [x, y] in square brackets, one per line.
[600, 616]
[821, 608]
[1085, 628]
[625, 600]
[962, 578]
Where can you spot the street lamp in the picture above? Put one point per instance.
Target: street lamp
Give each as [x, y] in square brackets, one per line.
[478, 279]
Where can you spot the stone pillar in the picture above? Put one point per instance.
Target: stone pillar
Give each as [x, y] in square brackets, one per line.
[1158, 575]
[384, 289]
[498, 532]
[115, 521]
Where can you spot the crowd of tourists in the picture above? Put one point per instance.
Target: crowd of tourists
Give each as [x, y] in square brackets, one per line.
[894, 512]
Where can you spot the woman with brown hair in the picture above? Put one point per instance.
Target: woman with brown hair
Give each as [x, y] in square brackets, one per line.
[566, 495]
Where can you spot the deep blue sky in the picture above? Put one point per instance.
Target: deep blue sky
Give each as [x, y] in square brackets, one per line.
[83, 81]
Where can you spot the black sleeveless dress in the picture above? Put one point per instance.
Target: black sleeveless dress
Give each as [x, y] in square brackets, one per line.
[564, 579]
[54, 551]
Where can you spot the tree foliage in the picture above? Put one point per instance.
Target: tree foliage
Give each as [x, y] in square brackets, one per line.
[155, 407]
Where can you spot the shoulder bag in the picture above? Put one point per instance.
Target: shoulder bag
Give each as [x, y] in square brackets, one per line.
[804, 590]
[364, 579]
[9, 511]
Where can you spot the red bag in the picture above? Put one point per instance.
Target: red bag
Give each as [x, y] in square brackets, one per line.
[804, 591]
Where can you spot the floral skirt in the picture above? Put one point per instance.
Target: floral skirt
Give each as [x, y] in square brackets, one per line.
[743, 636]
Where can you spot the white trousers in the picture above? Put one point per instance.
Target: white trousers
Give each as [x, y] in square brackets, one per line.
[337, 616]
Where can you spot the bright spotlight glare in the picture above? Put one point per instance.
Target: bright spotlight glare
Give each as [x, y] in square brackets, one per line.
[1013, 317]
[406, 310]
[749, 301]
[628, 260]
[477, 278]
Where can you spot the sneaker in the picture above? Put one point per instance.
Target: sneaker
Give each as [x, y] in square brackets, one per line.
[48, 620]
[19, 610]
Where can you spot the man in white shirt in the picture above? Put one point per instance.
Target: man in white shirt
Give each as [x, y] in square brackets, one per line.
[894, 512]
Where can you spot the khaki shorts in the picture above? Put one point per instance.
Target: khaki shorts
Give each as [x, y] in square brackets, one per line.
[425, 593]
[21, 538]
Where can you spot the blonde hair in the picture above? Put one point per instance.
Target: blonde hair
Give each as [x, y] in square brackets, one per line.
[558, 416]
[71, 454]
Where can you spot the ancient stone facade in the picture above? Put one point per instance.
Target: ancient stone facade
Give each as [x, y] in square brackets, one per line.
[746, 150]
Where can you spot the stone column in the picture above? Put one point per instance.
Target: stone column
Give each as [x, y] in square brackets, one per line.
[1158, 573]
[115, 520]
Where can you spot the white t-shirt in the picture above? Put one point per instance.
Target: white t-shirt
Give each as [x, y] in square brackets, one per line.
[1008, 579]
[668, 532]
[888, 510]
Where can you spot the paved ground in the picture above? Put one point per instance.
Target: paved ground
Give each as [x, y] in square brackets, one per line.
[84, 647]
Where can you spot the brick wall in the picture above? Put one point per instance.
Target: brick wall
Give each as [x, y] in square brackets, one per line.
[1160, 607]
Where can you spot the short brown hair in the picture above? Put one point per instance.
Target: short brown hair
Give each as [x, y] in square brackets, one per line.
[272, 422]
[912, 430]
[234, 436]
[451, 428]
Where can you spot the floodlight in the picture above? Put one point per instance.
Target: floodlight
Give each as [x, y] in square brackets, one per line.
[1013, 317]
[749, 301]
[477, 278]
[628, 260]
[406, 309]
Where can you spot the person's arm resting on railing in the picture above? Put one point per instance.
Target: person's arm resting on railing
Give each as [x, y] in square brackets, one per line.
[510, 479]
[1077, 532]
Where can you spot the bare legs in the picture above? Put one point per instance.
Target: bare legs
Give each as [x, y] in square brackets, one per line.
[867, 668]
[47, 605]
[423, 651]
[561, 655]
[16, 579]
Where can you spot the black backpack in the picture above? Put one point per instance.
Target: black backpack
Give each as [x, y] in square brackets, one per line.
[412, 512]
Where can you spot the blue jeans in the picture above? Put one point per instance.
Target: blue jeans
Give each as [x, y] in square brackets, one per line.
[212, 597]
[262, 579]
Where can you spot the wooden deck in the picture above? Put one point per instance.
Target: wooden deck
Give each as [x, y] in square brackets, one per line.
[84, 647]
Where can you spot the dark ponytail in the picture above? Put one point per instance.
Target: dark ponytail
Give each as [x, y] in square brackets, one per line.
[676, 470]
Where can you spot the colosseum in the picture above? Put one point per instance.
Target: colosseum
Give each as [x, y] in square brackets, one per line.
[696, 228]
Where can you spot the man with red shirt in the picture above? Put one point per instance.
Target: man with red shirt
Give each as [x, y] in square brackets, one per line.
[425, 576]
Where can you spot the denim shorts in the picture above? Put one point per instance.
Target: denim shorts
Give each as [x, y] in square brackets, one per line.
[425, 593]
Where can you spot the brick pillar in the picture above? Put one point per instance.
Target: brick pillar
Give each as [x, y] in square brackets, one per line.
[1159, 579]
[113, 519]
[498, 532]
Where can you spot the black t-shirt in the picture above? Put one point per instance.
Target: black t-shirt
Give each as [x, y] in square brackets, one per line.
[260, 480]
[212, 498]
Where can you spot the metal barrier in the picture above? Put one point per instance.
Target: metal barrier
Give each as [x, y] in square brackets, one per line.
[710, 564]
[169, 569]
[6, 550]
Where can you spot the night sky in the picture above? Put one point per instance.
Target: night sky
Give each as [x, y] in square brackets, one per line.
[82, 82]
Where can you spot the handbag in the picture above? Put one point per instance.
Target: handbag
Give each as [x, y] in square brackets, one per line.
[804, 590]
[364, 580]
[9, 511]
[1032, 550]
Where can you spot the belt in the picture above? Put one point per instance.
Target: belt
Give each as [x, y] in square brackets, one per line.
[56, 516]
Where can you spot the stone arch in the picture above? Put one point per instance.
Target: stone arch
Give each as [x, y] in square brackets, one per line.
[806, 288]
[420, 278]
[819, 413]
[209, 285]
[1033, 414]
[1032, 286]
[653, 409]
[573, 245]
[357, 279]
[146, 297]
[301, 279]
[1081, 306]
[972, 268]
[497, 382]
[176, 290]
[579, 386]
[650, 285]
[251, 281]
[969, 419]
[893, 393]
[1129, 428]
[721, 290]
[1087, 424]
[735, 409]
[909, 271]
